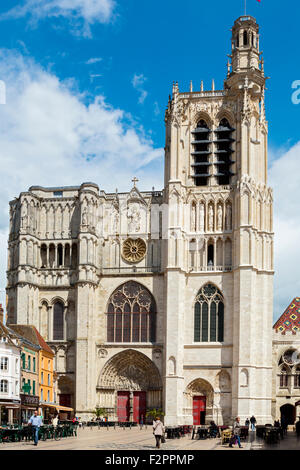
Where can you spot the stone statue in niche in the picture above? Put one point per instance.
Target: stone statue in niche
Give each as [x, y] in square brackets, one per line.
[201, 217]
[115, 219]
[211, 219]
[220, 218]
[134, 218]
[228, 221]
[193, 218]
[24, 216]
[84, 217]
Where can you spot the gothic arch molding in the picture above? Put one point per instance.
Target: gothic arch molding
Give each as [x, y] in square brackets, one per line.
[129, 370]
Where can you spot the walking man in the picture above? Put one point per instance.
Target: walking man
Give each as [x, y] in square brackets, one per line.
[236, 433]
[36, 422]
[253, 423]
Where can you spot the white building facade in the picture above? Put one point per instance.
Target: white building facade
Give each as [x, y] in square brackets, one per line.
[162, 299]
[9, 377]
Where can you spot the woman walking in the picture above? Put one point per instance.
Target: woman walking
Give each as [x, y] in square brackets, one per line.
[158, 431]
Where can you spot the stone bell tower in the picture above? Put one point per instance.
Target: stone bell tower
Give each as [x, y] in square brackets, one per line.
[220, 232]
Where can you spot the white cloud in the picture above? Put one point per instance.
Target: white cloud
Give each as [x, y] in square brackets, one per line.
[138, 83]
[93, 60]
[284, 177]
[81, 13]
[49, 136]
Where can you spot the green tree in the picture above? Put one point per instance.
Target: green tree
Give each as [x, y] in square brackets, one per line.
[154, 412]
[99, 412]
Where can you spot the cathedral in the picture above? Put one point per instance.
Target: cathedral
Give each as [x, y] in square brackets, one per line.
[162, 299]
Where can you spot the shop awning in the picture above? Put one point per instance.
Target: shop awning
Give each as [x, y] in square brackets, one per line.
[10, 405]
[64, 408]
[57, 407]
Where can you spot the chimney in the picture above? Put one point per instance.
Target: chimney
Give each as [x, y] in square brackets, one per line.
[1, 314]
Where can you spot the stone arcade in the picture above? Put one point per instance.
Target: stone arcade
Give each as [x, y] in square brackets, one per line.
[162, 298]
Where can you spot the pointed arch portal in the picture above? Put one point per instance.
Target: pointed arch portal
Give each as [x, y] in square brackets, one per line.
[129, 383]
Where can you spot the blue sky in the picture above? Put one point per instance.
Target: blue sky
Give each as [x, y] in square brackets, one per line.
[164, 41]
[88, 82]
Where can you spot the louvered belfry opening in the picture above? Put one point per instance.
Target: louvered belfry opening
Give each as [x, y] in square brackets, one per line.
[201, 152]
[224, 151]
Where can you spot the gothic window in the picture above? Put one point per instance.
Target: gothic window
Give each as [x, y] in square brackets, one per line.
[245, 35]
[224, 152]
[67, 254]
[201, 143]
[52, 255]
[59, 255]
[209, 315]
[284, 377]
[74, 255]
[44, 256]
[297, 378]
[131, 315]
[58, 321]
[210, 256]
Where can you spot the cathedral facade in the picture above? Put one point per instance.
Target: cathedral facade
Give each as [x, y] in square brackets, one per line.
[162, 299]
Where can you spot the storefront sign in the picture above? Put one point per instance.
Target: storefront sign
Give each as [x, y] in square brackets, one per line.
[29, 400]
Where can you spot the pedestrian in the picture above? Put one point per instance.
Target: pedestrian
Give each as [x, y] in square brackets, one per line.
[247, 422]
[298, 428]
[253, 423]
[158, 431]
[236, 433]
[55, 421]
[36, 422]
[213, 429]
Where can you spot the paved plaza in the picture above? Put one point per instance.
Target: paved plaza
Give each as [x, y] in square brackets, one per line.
[137, 439]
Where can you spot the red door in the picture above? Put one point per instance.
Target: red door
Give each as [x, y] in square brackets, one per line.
[199, 407]
[123, 406]
[139, 406]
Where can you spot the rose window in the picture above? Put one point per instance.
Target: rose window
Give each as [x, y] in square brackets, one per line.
[134, 250]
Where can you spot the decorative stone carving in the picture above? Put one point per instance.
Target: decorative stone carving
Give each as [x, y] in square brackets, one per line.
[134, 250]
[84, 217]
[220, 218]
[130, 370]
[134, 218]
[157, 353]
[102, 353]
[228, 219]
[211, 219]
[203, 388]
[201, 217]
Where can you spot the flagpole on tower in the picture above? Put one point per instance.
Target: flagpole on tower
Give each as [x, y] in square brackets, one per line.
[245, 7]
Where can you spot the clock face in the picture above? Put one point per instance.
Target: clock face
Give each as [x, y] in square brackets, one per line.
[134, 251]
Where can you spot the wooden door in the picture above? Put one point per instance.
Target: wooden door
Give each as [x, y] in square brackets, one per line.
[139, 406]
[123, 406]
[199, 408]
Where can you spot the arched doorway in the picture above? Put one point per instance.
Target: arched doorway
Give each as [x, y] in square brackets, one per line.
[129, 383]
[199, 397]
[288, 414]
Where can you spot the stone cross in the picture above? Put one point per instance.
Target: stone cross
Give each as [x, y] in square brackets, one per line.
[135, 180]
